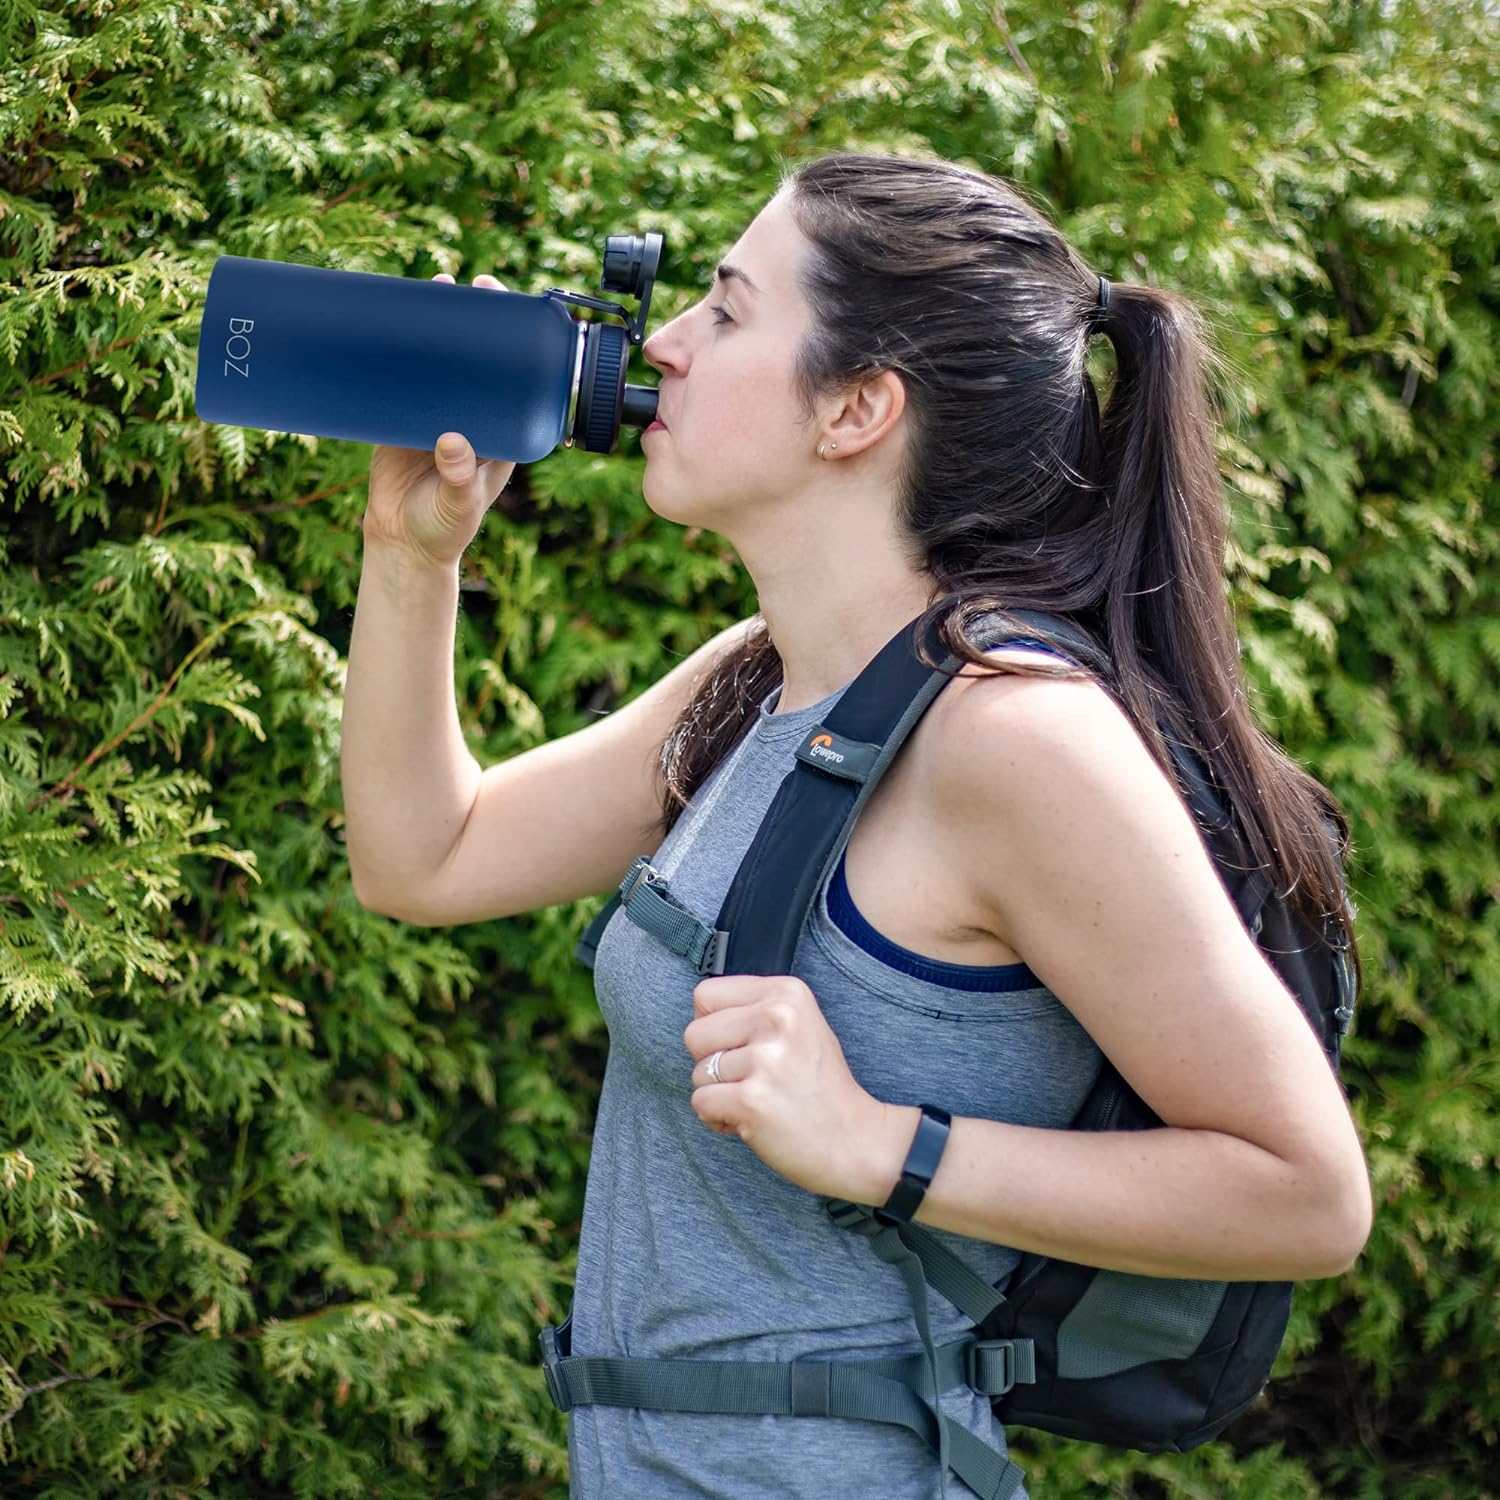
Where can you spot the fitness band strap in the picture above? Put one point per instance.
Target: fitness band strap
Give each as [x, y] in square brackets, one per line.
[920, 1168]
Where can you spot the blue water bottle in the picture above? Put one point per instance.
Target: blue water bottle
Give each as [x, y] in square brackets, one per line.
[286, 347]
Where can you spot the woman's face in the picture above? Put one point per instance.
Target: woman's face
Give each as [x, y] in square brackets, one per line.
[734, 436]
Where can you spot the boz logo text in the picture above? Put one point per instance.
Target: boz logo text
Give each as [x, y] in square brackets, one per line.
[238, 328]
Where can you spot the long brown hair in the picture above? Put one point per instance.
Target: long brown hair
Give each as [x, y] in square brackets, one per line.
[1017, 492]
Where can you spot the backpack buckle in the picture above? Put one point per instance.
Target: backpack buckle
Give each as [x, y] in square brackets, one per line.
[557, 1387]
[641, 870]
[993, 1366]
[852, 1216]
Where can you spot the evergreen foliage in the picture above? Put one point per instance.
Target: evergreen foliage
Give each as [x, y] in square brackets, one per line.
[286, 1187]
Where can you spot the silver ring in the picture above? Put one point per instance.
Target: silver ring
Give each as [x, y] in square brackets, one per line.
[713, 1066]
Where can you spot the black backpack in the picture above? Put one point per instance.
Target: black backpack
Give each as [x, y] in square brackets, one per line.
[1149, 1363]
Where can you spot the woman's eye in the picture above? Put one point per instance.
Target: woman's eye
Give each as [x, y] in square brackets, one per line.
[720, 316]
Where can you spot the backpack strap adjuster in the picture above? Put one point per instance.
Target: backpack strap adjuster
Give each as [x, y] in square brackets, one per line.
[993, 1366]
[642, 869]
[852, 1216]
[646, 898]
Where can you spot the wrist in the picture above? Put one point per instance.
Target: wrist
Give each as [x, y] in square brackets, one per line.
[925, 1155]
[410, 583]
[404, 558]
[887, 1144]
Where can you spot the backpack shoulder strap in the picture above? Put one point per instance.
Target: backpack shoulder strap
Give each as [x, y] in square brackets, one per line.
[812, 816]
[837, 765]
[588, 943]
[1049, 629]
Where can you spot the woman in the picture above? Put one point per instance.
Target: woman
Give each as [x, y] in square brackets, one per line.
[883, 404]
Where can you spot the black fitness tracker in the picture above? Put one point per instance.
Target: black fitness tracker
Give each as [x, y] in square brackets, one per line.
[921, 1165]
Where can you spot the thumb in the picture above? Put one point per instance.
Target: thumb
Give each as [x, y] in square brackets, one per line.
[455, 459]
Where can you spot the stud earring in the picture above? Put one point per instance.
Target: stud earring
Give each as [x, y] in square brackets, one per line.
[821, 453]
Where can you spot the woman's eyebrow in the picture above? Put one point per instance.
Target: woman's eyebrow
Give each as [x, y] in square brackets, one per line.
[727, 272]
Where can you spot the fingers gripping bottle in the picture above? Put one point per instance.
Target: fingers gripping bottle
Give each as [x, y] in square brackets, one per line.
[372, 358]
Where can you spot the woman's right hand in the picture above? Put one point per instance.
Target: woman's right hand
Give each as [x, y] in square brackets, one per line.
[431, 504]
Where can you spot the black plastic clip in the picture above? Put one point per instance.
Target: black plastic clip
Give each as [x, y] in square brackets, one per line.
[557, 1387]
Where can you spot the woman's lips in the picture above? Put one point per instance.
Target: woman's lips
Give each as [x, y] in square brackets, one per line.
[656, 426]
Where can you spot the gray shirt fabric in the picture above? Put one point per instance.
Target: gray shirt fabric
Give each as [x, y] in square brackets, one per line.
[692, 1248]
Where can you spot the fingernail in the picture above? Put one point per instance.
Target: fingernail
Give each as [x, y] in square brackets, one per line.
[452, 447]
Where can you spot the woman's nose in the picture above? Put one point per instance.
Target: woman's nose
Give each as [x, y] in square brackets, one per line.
[653, 351]
[664, 347]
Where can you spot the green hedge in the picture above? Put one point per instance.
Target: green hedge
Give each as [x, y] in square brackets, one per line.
[287, 1188]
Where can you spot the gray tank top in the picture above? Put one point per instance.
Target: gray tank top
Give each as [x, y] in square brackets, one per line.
[692, 1248]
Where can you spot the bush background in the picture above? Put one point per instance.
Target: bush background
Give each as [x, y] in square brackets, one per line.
[288, 1188]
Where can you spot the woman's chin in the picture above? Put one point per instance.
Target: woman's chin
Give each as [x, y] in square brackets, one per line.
[668, 507]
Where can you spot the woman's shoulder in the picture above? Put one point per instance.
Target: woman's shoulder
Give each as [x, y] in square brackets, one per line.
[1050, 688]
[1010, 737]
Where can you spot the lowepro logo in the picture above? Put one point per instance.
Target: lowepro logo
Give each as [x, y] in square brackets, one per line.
[822, 747]
[238, 328]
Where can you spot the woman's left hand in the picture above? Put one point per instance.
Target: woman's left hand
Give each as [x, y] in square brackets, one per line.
[786, 1089]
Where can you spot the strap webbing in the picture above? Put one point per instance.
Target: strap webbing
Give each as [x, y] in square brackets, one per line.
[879, 1390]
[888, 1245]
[649, 904]
[969, 1292]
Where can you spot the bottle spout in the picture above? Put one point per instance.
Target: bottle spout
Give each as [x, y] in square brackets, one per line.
[639, 408]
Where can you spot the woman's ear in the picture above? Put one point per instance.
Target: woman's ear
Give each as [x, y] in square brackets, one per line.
[869, 410]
